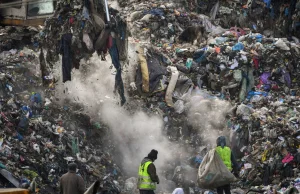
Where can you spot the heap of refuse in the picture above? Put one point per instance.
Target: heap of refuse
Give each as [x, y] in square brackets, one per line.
[39, 136]
[77, 30]
[185, 59]
[269, 17]
[198, 74]
[13, 37]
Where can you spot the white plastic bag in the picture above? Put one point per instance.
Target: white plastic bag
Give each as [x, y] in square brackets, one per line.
[88, 42]
[179, 106]
[282, 45]
[131, 185]
[171, 85]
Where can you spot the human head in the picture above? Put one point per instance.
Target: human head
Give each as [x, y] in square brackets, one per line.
[153, 155]
[221, 141]
[72, 167]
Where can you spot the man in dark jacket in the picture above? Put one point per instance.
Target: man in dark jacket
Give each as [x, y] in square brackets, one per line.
[227, 157]
[71, 183]
[147, 174]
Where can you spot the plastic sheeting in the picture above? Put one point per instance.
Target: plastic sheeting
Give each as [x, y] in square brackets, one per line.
[150, 73]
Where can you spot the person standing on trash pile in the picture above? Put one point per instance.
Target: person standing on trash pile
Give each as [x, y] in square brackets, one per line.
[147, 174]
[72, 183]
[229, 160]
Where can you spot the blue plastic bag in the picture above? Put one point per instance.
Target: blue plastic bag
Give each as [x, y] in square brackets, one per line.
[253, 93]
[238, 47]
[259, 37]
[268, 3]
[36, 98]
[26, 110]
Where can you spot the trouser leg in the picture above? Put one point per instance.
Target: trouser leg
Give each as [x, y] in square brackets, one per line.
[147, 192]
[220, 190]
[227, 189]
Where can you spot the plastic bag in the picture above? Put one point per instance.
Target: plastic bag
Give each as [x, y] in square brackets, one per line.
[213, 173]
[131, 185]
[221, 40]
[282, 45]
[85, 13]
[256, 98]
[237, 75]
[88, 42]
[244, 110]
[282, 109]
[171, 85]
[179, 106]
[238, 47]
[217, 30]
[189, 63]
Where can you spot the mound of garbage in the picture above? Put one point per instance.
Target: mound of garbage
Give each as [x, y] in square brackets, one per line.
[204, 76]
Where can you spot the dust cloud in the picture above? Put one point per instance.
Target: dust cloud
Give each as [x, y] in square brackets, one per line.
[208, 116]
[135, 133]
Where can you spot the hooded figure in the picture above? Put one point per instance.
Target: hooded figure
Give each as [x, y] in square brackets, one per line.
[147, 174]
[228, 159]
[226, 154]
[221, 141]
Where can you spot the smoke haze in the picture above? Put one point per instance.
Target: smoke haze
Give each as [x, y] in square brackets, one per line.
[135, 133]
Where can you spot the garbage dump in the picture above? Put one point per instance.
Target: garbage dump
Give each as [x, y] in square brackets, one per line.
[38, 136]
[249, 67]
[204, 68]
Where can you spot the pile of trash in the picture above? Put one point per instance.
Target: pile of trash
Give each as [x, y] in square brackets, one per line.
[200, 74]
[14, 37]
[186, 58]
[77, 30]
[39, 136]
[279, 18]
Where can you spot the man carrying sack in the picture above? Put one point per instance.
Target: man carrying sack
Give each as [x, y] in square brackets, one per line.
[215, 169]
[229, 161]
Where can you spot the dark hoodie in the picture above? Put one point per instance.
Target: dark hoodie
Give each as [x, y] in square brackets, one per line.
[221, 141]
[151, 170]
